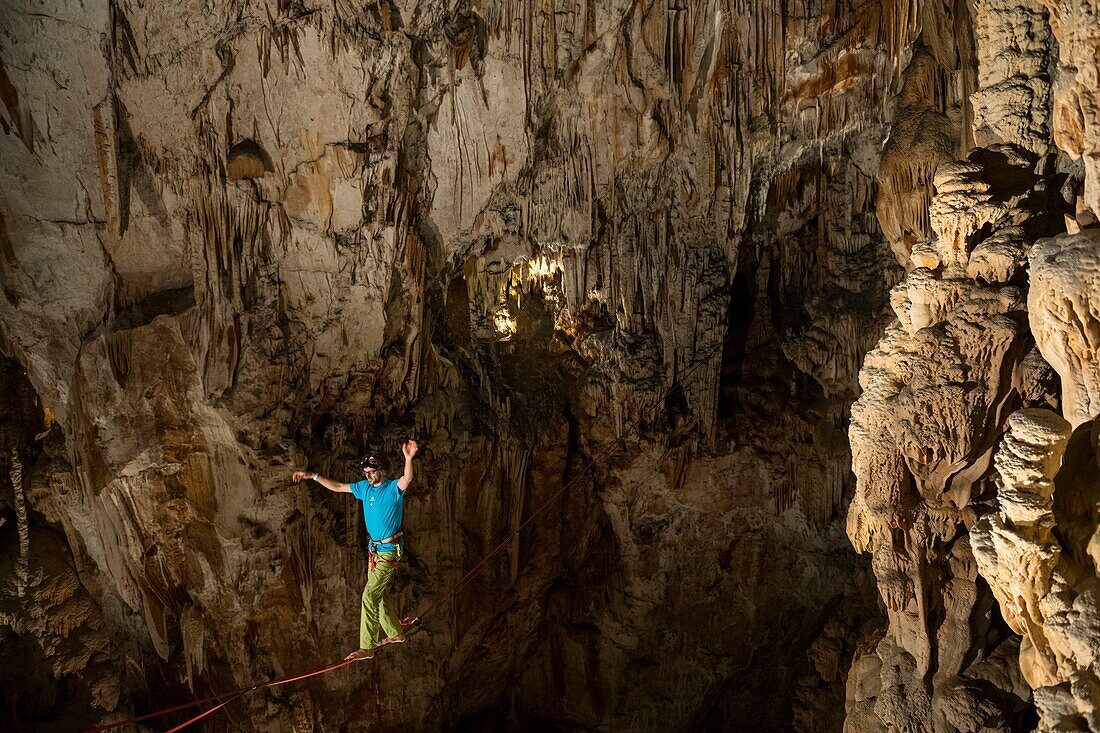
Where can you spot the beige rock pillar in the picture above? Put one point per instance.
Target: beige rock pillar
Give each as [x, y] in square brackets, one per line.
[1064, 307]
[1076, 93]
[1015, 547]
[1038, 553]
[1012, 103]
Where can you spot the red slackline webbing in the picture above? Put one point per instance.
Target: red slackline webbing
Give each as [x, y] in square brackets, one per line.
[222, 700]
[244, 692]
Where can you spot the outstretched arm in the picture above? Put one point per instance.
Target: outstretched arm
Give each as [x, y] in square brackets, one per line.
[327, 483]
[409, 449]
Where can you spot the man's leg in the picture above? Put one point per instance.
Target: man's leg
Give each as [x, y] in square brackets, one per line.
[372, 598]
[368, 624]
[375, 611]
[386, 617]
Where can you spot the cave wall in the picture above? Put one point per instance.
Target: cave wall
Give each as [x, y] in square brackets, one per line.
[644, 247]
[252, 237]
[955, 438]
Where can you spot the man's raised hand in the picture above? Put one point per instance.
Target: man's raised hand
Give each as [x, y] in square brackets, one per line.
[297, 476]
[409, 448]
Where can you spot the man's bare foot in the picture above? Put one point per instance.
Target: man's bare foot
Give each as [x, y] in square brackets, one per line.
[358, 654]
[399, 639]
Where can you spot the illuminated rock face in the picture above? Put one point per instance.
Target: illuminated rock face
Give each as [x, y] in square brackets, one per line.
[1039, 552]
[958, 360]
[642, 247]
[1076, 96]
[996, 300]
[1064, 303]
[937, 391]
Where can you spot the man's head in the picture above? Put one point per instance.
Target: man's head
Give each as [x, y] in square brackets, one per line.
[373, 468]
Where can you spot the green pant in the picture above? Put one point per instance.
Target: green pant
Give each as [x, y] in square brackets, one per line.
[375, 610]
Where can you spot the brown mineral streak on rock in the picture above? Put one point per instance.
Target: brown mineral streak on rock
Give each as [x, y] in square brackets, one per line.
[663, 238]
[18, 116]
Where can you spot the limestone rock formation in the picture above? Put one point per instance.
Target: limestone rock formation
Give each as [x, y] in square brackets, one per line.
[1039, 554]
[1036, 551]
[732, 271]
[1015, 546]
[1076, 105]
[990, 304]
[937, 391]
[1065, 316]
[625, 245]
[61, 666]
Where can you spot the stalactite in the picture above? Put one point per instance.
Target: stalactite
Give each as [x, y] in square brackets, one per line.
[22, 567]
[106, 160]
[193, 635]
[302, 542]
[227, 247]
[514, 461]
[118, 347]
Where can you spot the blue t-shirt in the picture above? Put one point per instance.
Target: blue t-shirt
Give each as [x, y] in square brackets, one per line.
[382, 507]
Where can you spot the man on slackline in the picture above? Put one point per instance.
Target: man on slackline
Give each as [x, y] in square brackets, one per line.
[383, 502]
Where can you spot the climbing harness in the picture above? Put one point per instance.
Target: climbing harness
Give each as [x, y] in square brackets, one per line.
[411, 623]
[376, 556]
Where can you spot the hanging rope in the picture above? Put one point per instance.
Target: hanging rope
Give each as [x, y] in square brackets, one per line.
[414, 621]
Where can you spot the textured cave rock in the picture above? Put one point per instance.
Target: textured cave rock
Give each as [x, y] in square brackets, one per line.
[940, 386]
[1039, 553]
[60, 666]
[249, 237]
[1062, 303]
[937, 391]
[1017, 553]
[1075, 100]
[737, 270]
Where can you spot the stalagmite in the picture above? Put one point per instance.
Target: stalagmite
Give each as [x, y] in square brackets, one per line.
[1015, 548]
[935, 395]
[1038, 553]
